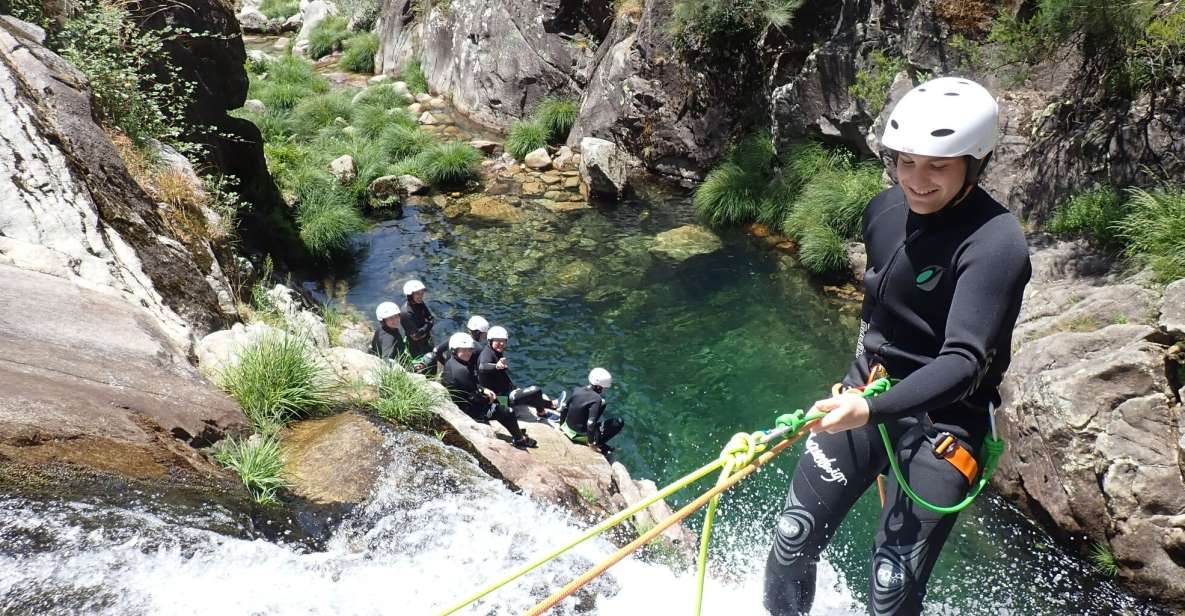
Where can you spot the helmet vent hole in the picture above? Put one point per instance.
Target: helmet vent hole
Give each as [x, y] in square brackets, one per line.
[893, 123]
[921, 89]
[943, 132]
[964, 83]
[951, 94]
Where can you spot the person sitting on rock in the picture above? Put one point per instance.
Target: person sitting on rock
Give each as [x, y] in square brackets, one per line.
[583, 418]
[493, 372]
[473, 399]
[416, 319]
[388, 341]
[437, 357]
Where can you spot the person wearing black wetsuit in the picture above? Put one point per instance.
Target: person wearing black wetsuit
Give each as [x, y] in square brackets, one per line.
[583, 418]
[438, 356]
[416, 319]
[388, 341]
[947, 268]
[492, 369]
[473, 399]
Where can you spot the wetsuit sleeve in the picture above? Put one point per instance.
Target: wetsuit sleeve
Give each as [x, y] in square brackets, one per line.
[483, 361]
[594, 422]
[858, 369]
[407, 321]
[992, 274]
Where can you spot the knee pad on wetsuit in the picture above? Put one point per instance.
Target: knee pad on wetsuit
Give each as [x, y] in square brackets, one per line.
[795, 525]
[895, 587]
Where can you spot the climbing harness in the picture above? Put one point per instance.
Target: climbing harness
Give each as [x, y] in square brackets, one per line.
[742, 456]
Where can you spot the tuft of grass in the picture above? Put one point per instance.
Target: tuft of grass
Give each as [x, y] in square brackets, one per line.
[317, 112]
[401, 399]
[327, 36]
[525, 137]
[413, 75]
[403, 142]
[280, 97]
[359, 53]
[733, 192]
[384, 96]
[328, 219]
[449, 164]
[589, 495]
[279, 9]
[259, 462]
[293, 70]
[275, 381]
[371, 121]
[822, 250]
[1103, 560]
[557, 115]
[836, 198]
[1154, 231]
[1092, 214]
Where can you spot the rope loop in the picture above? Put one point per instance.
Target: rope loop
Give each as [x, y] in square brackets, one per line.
[742, 448]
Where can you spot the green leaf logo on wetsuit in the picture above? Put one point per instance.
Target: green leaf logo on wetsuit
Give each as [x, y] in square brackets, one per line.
[928, 278]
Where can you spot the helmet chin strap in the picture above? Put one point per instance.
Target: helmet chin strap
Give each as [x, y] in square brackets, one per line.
[970, 180]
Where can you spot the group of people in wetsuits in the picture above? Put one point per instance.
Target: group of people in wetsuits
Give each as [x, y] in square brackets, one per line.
[474, 368]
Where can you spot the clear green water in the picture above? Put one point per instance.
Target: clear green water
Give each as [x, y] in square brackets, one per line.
[699, 350]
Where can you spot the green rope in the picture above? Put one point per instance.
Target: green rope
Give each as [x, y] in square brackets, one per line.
[993, 449]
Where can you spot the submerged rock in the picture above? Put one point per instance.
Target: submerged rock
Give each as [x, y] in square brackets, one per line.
[685, 242]
[494, 209]
[603, 167]
[334, 459]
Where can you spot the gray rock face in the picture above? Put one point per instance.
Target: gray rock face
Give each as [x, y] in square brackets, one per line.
[1172, 310]
[604, 167]
[398, 32]
[69, 208]
[89, 379]
[312, 14]
[1092, 423]
[498, 59]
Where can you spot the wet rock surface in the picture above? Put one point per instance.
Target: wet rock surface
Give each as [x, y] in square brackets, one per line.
[334, 459]
[685, 242]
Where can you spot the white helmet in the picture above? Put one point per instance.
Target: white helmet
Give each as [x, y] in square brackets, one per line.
[478, 323]
[411, 286]
[600, 377]
[948, 116]
[386, 310]
[461, 340]
[498, 332]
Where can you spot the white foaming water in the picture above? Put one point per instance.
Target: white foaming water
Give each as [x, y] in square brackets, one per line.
[434, 531]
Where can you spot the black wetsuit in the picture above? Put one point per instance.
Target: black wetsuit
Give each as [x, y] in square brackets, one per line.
[417, 322]
[584, 416]
[462, 385]
[388, 342]
[489, 375]
[941, 296]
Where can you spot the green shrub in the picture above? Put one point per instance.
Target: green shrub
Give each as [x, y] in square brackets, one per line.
[1154, 231]
[525, 137]
[327, 36]
[359, 53]
[835, 198]
[328, 219]
[279, 9]
[557, 115]
[317, 112]
[407, 166]
[1093, 214]
[413, 75]
[372, 122]
[728, 23]
[449, 164]
[275, 381]
[104, 42]
[735, 191]
[401, 399]
[822, 250]
[874, 80]
[280, 97]
[259, 462]
[401, 142]
[1103, 560]
[294, 70]
[384, 96]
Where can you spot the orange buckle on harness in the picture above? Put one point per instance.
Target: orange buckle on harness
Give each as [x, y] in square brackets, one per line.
[948, 448]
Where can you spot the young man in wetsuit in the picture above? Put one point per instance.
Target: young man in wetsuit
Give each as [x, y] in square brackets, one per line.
[473, 399]
[583, 418]
[416, 319]
[388, 341]
[435, 359]
[493, 372]
[947, 266]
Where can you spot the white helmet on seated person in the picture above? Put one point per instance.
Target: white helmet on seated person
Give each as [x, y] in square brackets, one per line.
[386, 310]
[498, 332]
[478, 323]
[600, 377]
[412, 286]
[461, 340]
